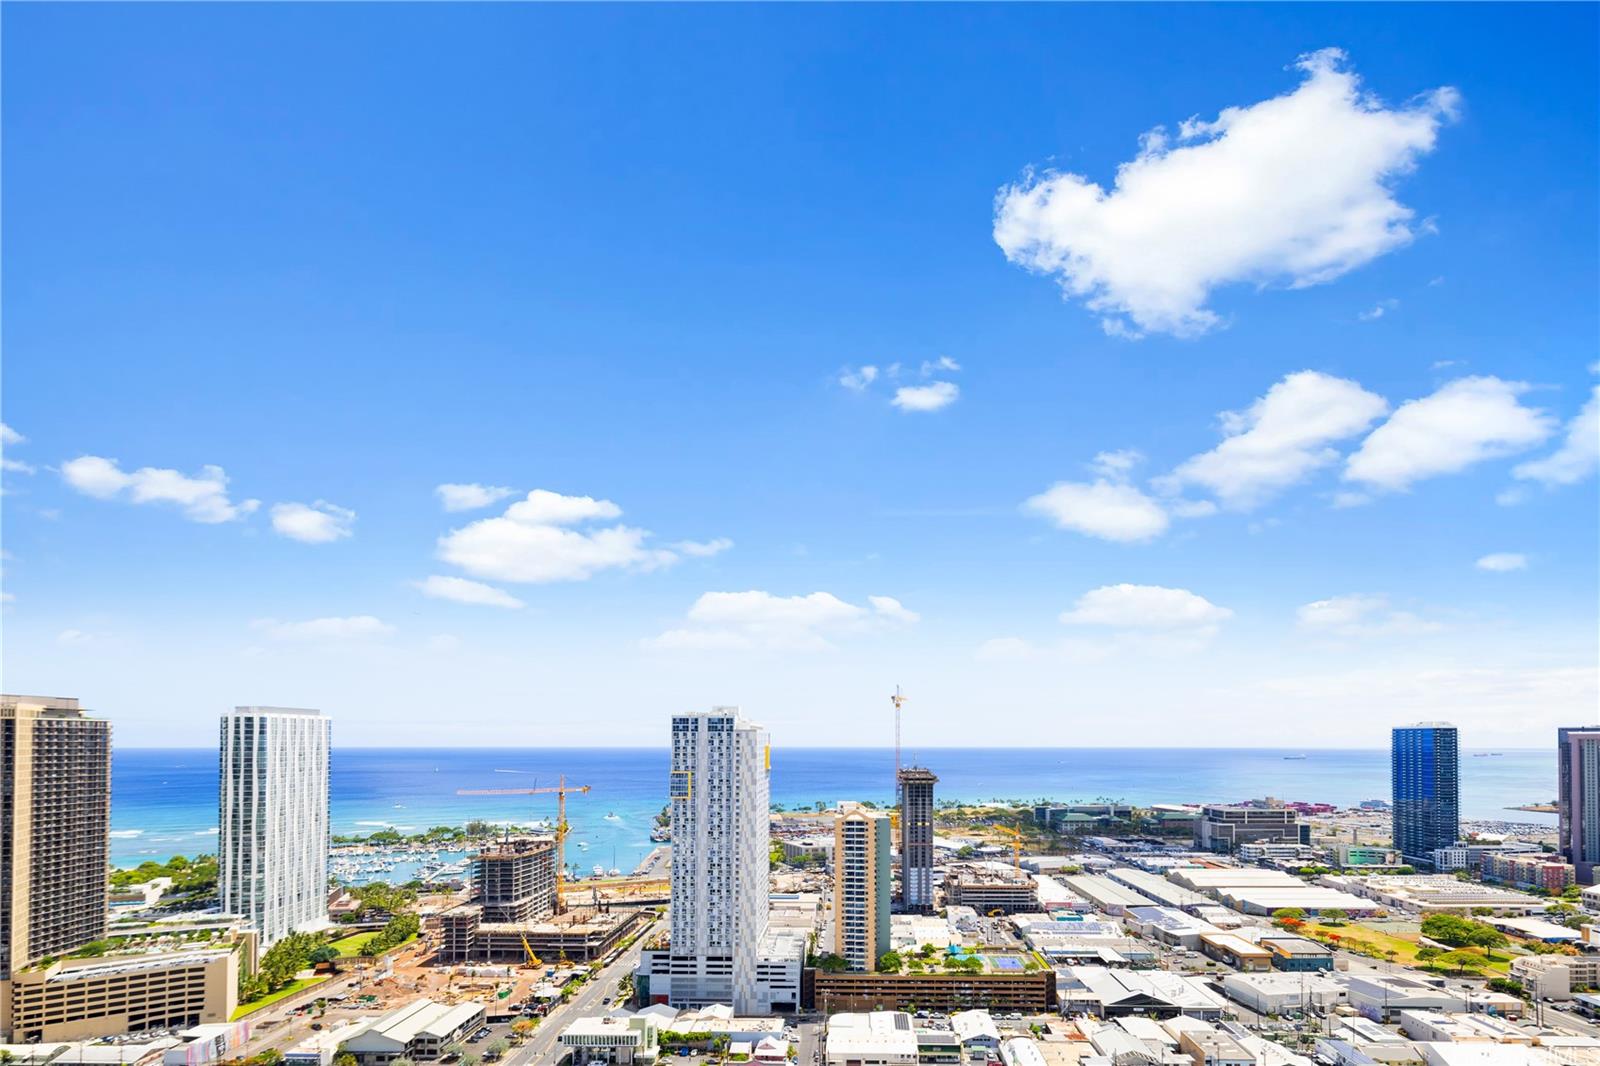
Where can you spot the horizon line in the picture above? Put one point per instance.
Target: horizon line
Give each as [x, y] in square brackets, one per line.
[825, 747]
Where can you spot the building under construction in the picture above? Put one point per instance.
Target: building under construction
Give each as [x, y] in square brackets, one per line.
[516, 880]
[513, 912]
[915, 787]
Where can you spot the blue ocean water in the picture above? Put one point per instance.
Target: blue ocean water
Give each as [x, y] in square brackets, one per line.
[164, 800]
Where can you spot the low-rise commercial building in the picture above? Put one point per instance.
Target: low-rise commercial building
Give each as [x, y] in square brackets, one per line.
[1555, 976]
[1214, 1049]
[1382, 996]
[1232, 950]
[418, 1030]
[1280, 993]
[1224, 828]
[1163, 891]
[1108, 993]
[1359, 856]
[1112, 897]
[1296, 954]
[1167, 926]
[1433, 892]
[620, 1040]
[876, 1038]
[1276, 851]
[976, 1031]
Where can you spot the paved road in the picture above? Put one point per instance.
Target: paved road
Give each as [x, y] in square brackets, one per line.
[592, 999]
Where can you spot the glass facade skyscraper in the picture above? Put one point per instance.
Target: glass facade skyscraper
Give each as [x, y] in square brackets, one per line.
[1426, 774]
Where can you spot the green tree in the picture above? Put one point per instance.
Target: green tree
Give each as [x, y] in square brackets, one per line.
[1461, 960]
[1333, 916]
[831, 963]
[889, 962]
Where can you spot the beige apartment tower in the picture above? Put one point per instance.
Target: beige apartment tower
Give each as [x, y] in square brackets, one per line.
[861, 885]
[55, 821]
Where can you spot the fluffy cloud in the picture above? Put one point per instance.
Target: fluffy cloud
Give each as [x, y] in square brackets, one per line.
[355, 627]
[461, 590]
[1281, 438]
[533, 542]
[1578, 455]
[1294, 190]
[757, 619]
[1360, 616]
[10, 436]
[202, 498]
[313, 523]
[471, 497]
[1502, 562]
[703, 549]
[1110, 510]
[1466, 421]
[1145, 607]
[933, 396]
[858, 379]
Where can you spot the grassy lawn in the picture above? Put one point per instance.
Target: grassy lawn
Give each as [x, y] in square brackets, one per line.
[268, 1000]
[347, 946]
[350, 946]
[1353, 935]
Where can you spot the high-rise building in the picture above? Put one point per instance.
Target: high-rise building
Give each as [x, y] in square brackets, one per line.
[861, 882]
[55, 822]
[1578, 797]
[720, 858]
[272, 848]
[915, 785]
[1426, 774]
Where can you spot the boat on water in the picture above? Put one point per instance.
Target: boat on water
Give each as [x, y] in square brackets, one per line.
[584, 844]
[1295, 756]
[599, 871]
[613, 816]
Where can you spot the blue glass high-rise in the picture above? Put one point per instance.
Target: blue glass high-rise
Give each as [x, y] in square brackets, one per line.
[1426, 774]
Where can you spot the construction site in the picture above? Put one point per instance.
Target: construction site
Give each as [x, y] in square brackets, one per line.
[522, 909]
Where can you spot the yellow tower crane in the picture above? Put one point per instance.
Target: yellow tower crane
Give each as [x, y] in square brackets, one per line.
[560, 790]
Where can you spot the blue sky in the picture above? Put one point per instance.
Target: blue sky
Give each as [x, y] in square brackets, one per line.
[641, 255]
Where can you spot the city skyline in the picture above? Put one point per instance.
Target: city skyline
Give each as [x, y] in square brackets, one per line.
[540, 388]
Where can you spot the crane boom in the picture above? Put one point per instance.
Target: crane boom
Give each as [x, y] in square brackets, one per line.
[560, 790]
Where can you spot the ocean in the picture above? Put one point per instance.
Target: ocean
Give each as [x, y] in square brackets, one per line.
[164, 800]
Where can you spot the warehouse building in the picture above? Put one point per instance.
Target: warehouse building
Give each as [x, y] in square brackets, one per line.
[418, 1030]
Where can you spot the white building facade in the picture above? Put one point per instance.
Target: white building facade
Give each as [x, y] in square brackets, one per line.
[272, 845]
[720, 860]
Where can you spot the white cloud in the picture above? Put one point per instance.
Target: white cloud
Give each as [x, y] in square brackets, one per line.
[10, 436]
[462, 590]
[470, 497]
[933, 396]
[1295, 190]
[858, 379]
[1466, 421]
[1578, 455]
[1281, 438]
[703, 549]
[546, 508]
[203, 498]
[1502, 562]
[73, 636]
[1145, 607]
[355, 627]
[1116, 465]
[1359, 615]
[893, 610]
[1345, 500]
[315, 523]
[944, 362]
[1105, 509]
[1378, 310]
[530, 542]
[757, 619]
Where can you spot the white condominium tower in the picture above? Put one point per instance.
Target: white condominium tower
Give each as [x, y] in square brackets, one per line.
[272, 847]
[720, 858]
